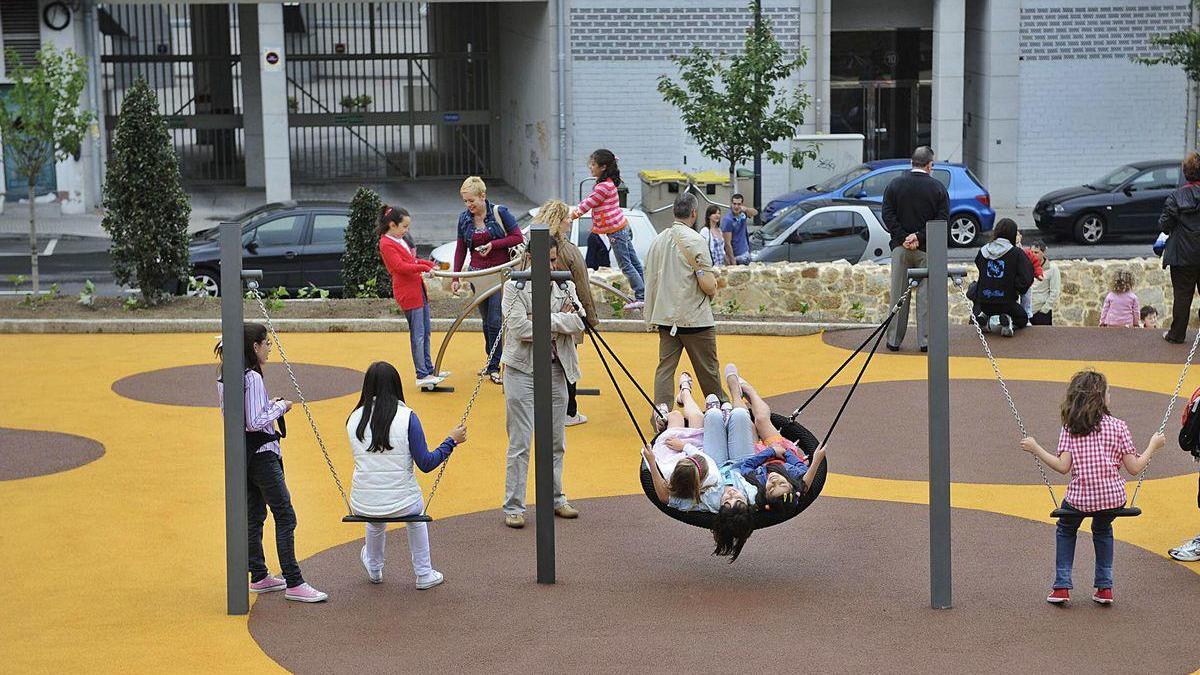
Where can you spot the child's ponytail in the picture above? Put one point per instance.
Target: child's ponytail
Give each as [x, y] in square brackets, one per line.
[252, 334]
[387, 216]
[605, 159]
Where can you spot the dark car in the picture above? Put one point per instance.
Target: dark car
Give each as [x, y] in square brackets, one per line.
[293, 243]
[1125, 203]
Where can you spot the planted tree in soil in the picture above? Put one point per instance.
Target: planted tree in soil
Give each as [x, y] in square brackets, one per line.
[41, 122]
[146, 209]
[362, 267]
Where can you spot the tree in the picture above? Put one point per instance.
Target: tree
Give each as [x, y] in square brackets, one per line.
[40, 121]
[361, 264]
[729, 105]
[1180, 48]
[146, 210]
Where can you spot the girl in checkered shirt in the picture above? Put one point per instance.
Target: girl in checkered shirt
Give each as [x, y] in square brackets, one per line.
[1092, 447]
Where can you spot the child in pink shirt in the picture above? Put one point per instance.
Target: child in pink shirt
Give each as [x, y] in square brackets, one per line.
[1121, 303]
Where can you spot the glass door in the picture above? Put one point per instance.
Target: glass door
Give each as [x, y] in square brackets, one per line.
[886, 113]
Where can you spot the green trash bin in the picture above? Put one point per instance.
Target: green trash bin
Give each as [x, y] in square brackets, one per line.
[660, 187]
[745, 186]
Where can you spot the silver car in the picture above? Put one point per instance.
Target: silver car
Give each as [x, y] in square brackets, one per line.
[823, 230]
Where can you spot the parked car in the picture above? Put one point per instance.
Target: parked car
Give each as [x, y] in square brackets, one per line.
[293, 243]
[823, 230]
[639, 223]
[1125, 203]
[971, 211]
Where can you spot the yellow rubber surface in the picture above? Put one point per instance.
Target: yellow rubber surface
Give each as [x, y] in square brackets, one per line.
[119, 565]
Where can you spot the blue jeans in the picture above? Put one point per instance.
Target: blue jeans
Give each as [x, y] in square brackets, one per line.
[627, 259]
[732, 440]
[489, 311]
[1064, 559]
[265, 487]
[418, 339]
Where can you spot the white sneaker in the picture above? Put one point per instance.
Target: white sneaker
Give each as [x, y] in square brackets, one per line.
[1188, 552]
[428, 382]
[576, 419]
[993, 324]
[444, 374]
[375, 577]
[711, 401]
[435, 578]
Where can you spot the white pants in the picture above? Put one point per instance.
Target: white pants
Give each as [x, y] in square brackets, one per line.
[418, 542]
[518, 398]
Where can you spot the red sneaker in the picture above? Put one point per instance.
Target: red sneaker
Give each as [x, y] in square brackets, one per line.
[1059, 596]
[1103, 596]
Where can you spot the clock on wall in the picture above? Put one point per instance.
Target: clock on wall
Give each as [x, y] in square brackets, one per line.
[56, 15]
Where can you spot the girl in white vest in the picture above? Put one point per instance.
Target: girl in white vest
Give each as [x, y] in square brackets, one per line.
[387, 439]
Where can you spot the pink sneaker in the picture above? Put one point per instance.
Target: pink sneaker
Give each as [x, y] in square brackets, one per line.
[305, 593]
[268, 584]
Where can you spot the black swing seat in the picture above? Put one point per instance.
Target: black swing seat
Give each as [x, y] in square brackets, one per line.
[414, 518]
[1122, 512]
[794, 432]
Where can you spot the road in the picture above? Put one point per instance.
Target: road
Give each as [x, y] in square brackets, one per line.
[70, 261]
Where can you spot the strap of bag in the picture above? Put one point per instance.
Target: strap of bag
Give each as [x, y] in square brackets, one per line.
[683, 250]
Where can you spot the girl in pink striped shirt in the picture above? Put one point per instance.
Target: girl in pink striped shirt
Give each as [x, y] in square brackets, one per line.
[608, 219]
[1121, 303]
[1092, 447]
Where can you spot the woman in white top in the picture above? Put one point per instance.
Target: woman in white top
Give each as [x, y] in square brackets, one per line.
[386, 439]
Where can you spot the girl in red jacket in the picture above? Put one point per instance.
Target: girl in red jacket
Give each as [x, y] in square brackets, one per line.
[408, 287]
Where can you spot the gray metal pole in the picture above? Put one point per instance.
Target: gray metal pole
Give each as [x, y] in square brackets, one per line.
[543, 402]
[232, 367]
[939, 417]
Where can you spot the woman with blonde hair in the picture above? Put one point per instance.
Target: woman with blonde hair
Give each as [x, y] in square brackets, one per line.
[488, 231]
[557, 216]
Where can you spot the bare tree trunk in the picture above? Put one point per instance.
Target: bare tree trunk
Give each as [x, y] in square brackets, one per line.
[33, 250]
[733, 186]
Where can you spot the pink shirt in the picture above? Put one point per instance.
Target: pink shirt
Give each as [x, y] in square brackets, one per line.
[1121, 309]
[606, 206]
[1096, 480]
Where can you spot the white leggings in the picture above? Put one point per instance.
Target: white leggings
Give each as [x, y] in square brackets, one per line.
[418, 542]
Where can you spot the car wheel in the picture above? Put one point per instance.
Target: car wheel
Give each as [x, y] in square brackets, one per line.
[964, 229]
[1090, 229]
[207, 284]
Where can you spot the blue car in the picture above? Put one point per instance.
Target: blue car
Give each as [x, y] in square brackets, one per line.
[971, 211]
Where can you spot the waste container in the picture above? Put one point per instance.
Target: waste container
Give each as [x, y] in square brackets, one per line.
[660, 187]
[745, 186]
[585, 187]
[714, 187]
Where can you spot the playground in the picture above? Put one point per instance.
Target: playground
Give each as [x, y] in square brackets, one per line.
[111, 481]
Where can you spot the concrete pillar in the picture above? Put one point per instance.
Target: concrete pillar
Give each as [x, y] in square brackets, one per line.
[277, 160]
[252, 118]
[993, 96]
[949, 35]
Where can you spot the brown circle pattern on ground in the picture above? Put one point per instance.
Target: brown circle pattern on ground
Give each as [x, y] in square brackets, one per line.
[637, 592]
[884, 432]
[197, 385]
[1040, 342]
[25, 454]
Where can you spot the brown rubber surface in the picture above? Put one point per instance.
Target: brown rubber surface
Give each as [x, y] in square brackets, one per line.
[24, 454]
[881, 434]
[1068, 343]
[197, 385]
[842, 588]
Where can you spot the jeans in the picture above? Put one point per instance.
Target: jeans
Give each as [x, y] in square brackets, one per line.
[743, 259]
[726, 440]
[1027, 303]
[489, 311]
[418, 339]
[1064, 559]
[265, 487]
[518, 400]
[418, 543]
[627, 259]
[902, 261]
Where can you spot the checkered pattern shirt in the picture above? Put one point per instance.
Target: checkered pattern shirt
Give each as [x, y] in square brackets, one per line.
[1096, 480]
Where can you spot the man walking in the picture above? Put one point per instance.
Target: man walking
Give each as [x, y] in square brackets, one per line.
[733, 226]
[679, 290]
[910, 201]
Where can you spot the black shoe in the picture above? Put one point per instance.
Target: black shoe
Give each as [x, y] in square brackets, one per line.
[893, 348]
[924, 348]
[1168, 338]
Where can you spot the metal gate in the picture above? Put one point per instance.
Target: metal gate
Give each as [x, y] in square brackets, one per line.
[388, 90]
[189, 56]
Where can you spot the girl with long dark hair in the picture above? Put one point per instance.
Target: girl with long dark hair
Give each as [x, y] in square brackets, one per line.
[608, 219]
[408, 288]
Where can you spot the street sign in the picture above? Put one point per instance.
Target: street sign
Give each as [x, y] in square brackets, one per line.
[272, 59]
[349, 119]
[450, 117]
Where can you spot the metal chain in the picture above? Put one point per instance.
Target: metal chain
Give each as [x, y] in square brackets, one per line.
[1187, 364]
[1012, 406]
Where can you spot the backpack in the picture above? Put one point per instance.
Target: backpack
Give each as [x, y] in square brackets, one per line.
[1189, 434]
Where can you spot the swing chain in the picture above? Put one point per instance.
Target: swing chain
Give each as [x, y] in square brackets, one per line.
[1012, 406]
[300, 394]
[1187, 365]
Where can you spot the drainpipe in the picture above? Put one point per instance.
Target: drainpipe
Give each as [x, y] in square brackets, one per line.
[1193, 90]
[564, 176]
[92, 48]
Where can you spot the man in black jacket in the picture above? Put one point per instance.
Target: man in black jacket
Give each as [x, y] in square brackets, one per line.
[910, 201]
[1180, 221]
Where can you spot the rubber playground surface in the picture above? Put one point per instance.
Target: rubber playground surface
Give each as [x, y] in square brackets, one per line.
[112, 545]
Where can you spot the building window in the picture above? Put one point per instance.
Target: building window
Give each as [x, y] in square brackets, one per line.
[20, 31]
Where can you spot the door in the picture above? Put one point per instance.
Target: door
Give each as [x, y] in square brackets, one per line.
[894, 135]
[274, 247]
[887, 113]
[827, 235]
[1140, 202]
[321, 261]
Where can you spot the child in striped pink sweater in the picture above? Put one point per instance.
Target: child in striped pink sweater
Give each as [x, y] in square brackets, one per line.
[1121, 303]
[608, 219]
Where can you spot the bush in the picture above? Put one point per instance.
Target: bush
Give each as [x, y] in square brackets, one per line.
[362, 266]
[146, 210]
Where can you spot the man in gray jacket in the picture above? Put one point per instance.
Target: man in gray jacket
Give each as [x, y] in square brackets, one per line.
[566, 323]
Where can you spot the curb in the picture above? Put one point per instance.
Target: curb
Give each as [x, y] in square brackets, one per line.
[377, 325]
